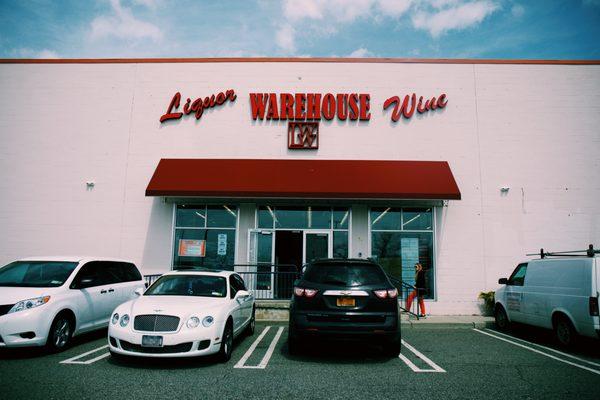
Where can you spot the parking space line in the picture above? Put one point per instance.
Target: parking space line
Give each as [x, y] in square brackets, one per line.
[73, 360]
[538, 351]
[545, 347]
[411, 365]
[269, 353]
[246, 356]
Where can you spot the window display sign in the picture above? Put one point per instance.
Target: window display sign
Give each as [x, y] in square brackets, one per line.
[222, 244]
[191, 248]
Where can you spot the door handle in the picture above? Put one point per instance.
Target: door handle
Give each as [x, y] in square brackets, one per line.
[102, 291]
[111, 290]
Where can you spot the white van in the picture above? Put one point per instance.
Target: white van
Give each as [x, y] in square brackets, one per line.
[48, 300]
[558, 291]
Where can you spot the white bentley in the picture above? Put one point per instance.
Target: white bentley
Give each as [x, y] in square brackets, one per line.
[183, 314]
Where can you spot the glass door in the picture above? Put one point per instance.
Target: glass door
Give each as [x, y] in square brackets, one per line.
[317, 244]
[259, 278]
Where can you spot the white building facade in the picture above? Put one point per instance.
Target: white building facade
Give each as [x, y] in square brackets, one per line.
[503, 159]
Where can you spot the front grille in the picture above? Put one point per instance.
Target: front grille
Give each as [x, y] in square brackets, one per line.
[4, 309]
[136, 348]
[368, 319]
[156, 323]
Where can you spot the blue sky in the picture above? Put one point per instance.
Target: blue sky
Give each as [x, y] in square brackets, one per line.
[530, 29]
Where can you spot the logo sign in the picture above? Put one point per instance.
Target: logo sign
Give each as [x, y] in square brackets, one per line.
[197, 106]
[303, 135]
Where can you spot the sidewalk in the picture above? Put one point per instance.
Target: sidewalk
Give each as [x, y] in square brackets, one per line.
[447, 321]
[278, 311]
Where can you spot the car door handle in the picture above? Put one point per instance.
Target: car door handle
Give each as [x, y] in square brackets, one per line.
[111, 290]
[102, 291]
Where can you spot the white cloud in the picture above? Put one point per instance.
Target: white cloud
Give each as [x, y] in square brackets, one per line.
[361, 53]
[285, 38]
[30, 53]
[517, 10]
[123, 24]
[452, 15]
[394, 8]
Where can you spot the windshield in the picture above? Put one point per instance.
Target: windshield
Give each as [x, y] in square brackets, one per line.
[188, 285]
[36, 273]
[345, 275]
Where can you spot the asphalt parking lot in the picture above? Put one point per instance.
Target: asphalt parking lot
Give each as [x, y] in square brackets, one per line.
[436, 362]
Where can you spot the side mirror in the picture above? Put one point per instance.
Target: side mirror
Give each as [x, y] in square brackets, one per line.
[503, 281]
[85, 283]
[139, 291]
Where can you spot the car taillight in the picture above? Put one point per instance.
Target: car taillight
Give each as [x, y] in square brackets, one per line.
[594, 306]
[386, 293]
[298, 291]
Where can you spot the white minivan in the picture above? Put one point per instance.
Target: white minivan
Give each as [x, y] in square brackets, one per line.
[48, 300]
[558, 291]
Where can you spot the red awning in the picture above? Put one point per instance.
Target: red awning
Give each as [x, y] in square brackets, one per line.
[315, 179]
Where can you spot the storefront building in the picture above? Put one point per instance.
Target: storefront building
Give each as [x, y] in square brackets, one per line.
[265, 164]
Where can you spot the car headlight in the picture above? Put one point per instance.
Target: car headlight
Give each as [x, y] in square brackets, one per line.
[115, 318]
[29, 303]
[124, 320]
[193, 322]
[208, 321]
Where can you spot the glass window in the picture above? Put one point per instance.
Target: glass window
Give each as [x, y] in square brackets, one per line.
[96, 273]
[265, 217]
[319, 218]
[36, 273]
[518, 276]
[221, 216]
[340, 218]
[345, 275]
[291, 217]
[215, 248]
[385, 218]
[340, 244]
[398, 250]
[188, 285]
[416, 219]
[191, 216]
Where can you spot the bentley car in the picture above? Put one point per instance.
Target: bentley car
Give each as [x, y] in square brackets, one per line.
[183, 314]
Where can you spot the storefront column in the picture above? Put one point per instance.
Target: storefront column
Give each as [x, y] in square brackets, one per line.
[360, 231]
[246, 221]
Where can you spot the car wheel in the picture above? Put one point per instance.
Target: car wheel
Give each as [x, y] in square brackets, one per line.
[226, 343]
[502, 322]
[61, 331]
[392, 348]
[565, 332]
[252, 324]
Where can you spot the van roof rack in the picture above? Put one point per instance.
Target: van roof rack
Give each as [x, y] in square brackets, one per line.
[589, 252]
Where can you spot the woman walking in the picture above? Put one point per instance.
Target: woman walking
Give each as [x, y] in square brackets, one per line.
[419, 290]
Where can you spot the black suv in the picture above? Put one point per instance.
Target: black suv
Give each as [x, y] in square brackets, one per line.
[345, 299]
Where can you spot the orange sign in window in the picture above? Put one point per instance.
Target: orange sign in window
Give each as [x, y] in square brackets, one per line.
[191, 248]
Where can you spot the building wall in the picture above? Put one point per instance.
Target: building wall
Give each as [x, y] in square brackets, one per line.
[532, 128]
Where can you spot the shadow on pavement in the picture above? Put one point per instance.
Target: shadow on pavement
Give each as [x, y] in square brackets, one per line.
[584, 347]
[40, 351]
[337, 352]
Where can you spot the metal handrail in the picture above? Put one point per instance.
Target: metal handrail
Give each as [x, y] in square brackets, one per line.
[404, 291]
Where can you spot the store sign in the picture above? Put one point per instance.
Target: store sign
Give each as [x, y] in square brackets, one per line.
[197, 106]
[407, 107]
[191, 248]
[303, 111]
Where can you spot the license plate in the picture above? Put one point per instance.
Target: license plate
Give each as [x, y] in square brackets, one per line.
[152, 341]
[346, 302]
